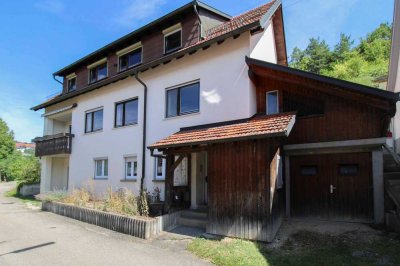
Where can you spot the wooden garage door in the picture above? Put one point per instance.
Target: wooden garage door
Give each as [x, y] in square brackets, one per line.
[334, 186]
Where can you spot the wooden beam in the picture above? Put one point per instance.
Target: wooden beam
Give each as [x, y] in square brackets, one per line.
[176, 163]
[331, 90]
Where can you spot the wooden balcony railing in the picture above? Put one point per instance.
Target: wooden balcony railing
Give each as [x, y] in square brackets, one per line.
[53, 144]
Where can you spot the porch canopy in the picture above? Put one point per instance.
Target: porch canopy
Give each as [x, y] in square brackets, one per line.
[256, 127]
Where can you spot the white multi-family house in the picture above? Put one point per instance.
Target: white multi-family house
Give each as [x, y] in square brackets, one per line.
[203, 106]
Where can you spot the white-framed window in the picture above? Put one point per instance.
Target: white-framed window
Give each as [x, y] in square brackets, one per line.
[71, 82]
[159, 168]
[172, 38]
[131, 168]
[101, 168]
[272, 103]
[98, 70]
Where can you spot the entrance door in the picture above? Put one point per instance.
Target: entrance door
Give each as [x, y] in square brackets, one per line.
[334, 186]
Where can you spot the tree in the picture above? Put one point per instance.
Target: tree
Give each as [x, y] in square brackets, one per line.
[361, 64]
[7, 143]
[343, 48]
[315, 58]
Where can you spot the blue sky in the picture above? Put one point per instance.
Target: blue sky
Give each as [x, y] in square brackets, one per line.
[38, 37]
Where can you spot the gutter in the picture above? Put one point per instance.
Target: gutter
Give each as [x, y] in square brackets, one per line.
[136, 74]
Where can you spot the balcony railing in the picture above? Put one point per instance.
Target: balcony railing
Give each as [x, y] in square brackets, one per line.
[53, 144]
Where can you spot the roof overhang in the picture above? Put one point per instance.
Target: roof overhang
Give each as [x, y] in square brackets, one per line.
[271, 69]
[151, 25]
[218, 132]
[153, 64]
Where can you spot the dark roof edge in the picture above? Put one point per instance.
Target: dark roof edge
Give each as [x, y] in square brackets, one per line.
[131, 34]
[144, 67]
[388, 95]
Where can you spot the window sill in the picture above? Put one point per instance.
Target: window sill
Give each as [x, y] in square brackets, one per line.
[128, 180]
[158, 180]
[172, 50]
[94, 82]
[100, 179]
[91, 133]
[129, 68]
[131, 125]
[181, 116]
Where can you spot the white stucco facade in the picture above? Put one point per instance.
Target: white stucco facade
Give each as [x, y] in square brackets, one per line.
[226, 93]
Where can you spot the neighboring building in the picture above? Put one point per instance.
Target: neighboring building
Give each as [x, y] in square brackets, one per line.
[203, 106]
[394, 72]
[24, 147]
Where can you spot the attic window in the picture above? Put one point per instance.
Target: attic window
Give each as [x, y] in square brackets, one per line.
[71, 82]
[98, 71]
[172, 38]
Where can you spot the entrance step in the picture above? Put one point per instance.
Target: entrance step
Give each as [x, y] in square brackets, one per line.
[193, 218]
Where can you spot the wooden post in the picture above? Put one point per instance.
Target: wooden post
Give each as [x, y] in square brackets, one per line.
[169, 179]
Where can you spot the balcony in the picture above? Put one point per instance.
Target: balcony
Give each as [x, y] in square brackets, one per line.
[53, 144]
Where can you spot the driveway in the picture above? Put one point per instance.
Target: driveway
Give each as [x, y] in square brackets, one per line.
[33, 237]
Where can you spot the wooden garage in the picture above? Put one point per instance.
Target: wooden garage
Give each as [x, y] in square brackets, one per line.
[332, 186]
[333, 157]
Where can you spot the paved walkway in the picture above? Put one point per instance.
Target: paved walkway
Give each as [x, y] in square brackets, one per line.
[33, 237]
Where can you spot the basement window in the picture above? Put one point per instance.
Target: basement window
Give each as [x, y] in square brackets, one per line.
[159, 168]
[131, 168]
[101, 169]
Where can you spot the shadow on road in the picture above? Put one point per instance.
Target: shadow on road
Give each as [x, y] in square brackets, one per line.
[29, 248]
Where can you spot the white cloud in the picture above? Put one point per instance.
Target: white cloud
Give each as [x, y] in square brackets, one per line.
[139, 10]
[51, 6]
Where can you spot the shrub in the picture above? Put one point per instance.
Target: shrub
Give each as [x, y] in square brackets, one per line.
[122, 201]
[143, 203]
[78, 197]
[56, 195]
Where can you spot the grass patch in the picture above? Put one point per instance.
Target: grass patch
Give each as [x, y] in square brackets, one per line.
[303, 248]
[13, 193]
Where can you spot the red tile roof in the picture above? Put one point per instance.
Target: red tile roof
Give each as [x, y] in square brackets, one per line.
[24, 145]
[239, 21]
[257, 127]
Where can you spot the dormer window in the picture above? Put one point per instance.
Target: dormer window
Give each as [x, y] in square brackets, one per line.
[172, 38]
[71, 82]
[130, 56]
[98, 70]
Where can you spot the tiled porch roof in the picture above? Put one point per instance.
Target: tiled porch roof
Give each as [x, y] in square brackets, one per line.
[252, 128]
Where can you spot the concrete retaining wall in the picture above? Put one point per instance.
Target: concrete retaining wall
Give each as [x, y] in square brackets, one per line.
[30, 190]
[134, 226]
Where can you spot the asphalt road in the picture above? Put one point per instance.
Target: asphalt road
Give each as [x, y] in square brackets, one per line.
[33, 237]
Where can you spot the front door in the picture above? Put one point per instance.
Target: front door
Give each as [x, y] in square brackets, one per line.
[334, 186]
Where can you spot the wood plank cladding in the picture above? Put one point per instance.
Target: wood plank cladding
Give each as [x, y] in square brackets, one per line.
[343, 118]
[352, 198]
[153, 47]
[240, 203]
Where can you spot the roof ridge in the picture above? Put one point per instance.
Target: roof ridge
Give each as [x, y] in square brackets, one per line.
[232, 20]
[253, 9]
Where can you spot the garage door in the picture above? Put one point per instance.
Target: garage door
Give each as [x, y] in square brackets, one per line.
[332, 187]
